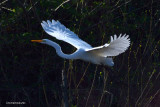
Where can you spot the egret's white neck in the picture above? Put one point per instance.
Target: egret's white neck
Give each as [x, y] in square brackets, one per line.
[59, 51]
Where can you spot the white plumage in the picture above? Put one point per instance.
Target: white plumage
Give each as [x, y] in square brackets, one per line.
[116, 46]
[96, 55]
[60, 32]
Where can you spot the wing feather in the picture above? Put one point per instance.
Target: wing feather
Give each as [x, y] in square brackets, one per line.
[116, 46]
[60, 32]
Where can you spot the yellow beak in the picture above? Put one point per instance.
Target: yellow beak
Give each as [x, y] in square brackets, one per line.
[36, 41]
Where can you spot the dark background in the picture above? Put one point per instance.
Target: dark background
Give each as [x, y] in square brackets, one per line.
[31, 72]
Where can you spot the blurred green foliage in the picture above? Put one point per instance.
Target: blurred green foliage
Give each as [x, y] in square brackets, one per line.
[31, 72]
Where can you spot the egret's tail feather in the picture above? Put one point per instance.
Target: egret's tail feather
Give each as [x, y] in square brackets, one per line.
[109, 62]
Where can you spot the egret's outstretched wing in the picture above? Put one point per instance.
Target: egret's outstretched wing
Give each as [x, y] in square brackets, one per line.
[59, 31]
[116, 46]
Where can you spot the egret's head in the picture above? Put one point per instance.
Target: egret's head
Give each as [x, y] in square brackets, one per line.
[43, 41]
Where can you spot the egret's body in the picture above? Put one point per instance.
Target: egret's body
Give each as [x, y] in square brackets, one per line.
[96, 55]
[80, 54]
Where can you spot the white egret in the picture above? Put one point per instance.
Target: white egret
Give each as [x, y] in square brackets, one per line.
[97, 55]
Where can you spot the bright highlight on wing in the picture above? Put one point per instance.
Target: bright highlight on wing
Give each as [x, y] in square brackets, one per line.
[116, 46]
[60, 32]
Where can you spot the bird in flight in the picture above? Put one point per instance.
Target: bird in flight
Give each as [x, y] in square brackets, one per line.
[98, 55]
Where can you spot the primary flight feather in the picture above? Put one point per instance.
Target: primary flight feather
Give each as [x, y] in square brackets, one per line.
[96, 55]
